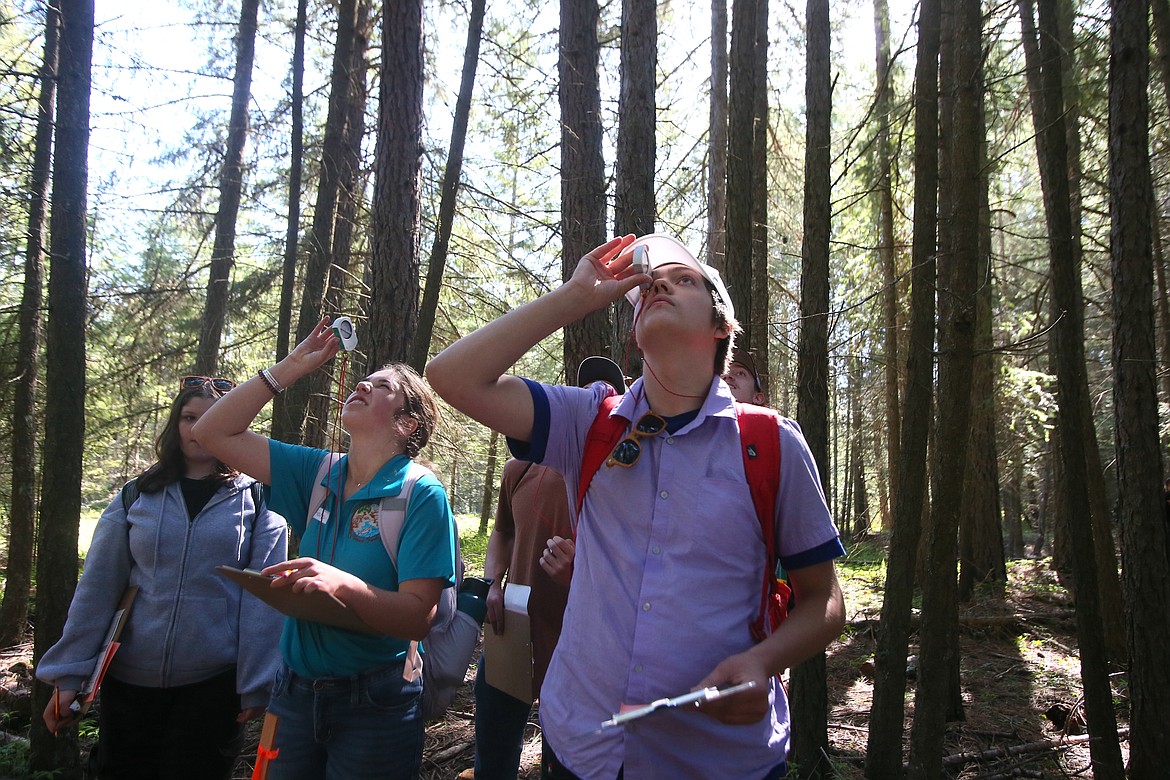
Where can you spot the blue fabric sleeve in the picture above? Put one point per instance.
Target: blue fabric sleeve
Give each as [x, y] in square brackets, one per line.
[819, 554]
[534, 450]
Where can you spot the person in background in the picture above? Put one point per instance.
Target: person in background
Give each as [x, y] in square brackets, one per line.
[349, 704]
[669, 557]
[743, 379]
[197, 656]
[531, 544]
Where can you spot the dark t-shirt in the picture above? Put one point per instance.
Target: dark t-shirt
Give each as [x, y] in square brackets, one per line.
[197, 492]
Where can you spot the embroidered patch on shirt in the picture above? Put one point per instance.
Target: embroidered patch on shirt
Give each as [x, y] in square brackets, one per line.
[363, 525]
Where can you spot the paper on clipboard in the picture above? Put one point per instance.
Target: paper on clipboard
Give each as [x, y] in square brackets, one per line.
[316, 606]
[509, 664]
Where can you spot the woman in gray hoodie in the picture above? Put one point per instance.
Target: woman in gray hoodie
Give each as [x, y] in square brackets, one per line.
[198, 655]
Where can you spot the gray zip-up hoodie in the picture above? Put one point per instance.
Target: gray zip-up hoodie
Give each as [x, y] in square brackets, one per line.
[188, 623]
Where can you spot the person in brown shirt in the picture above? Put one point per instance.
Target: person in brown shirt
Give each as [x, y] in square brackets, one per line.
[531, 544]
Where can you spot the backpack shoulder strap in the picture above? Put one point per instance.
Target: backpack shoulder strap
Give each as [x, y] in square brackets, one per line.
[604, 434]
[130, 493]
[257, 489]
[759, 438]
[320, 490]
[392, 511]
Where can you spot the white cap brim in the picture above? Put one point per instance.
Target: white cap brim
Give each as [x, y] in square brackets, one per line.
[663, 249]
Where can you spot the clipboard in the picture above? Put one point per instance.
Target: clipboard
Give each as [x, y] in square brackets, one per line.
[509, 655]
[110, 645]
[316, 606]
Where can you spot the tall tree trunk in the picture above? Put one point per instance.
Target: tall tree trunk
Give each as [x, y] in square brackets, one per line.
[741, 162]
[322, 400]
[489, 484]
[450, 192]
[886, 249]
[860, 496]
[1108, 584]
[1073, 428]
[231, 183]
[1162, 300]
[1013, 509]
[22, 519]
[809, 699]
[394, 262]
[290, 409]
[582, 169]
[981, 559]
[65, 370]
[1139, 457]
[288, 274]
[758, 316]
[634, 208]
[1108, 580]
[717, 141]
[958, 279]
[1161, 31]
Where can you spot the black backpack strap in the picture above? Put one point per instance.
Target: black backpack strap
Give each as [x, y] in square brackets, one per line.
[130, 494]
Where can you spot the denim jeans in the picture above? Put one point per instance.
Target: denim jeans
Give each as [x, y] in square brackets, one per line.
[185, 732]
[499, 730]
[368, 725]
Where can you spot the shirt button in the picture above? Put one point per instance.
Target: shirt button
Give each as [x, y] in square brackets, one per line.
[670, 440]
[655, 549]
[638, 668]
[664, 494]
[646, 607]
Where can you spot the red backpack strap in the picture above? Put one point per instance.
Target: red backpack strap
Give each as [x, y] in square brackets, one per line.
[759, 437]
[603, 436]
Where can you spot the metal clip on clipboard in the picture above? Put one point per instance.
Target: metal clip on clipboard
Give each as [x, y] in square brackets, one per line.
[620, 719]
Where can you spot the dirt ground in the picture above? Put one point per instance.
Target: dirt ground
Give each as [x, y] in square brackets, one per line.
[1019, 661]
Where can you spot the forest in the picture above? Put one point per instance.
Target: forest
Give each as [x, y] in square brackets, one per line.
[940, 223]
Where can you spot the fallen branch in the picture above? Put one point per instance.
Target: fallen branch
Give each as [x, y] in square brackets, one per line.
[1015, 750]
[450, 752]
[982, 621]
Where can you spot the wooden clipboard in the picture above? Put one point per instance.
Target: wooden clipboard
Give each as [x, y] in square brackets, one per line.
[316, 606]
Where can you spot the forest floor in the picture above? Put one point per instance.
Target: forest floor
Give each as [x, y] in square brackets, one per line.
[1019, 662]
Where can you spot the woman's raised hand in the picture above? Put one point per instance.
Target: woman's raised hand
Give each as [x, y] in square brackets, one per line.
[318, 348]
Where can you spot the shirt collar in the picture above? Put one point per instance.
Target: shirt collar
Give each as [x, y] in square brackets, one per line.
[386, 482]
[718, 403]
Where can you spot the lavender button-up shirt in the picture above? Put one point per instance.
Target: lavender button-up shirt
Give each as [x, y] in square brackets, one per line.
[667, 578]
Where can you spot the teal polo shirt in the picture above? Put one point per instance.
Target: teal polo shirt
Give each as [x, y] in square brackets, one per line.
[426, 550]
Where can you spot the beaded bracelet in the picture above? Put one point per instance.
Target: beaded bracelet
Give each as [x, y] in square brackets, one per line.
[270, 381]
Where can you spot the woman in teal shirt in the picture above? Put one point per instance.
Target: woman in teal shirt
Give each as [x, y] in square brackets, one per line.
[349, 703]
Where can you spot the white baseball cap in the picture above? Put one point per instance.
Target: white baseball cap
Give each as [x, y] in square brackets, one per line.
[663, 249]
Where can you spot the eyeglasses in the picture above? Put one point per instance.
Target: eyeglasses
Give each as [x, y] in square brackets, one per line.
[218, 382]
[628, 450]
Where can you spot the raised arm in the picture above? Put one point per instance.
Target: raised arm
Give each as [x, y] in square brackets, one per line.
[470, 374]
[223, 429]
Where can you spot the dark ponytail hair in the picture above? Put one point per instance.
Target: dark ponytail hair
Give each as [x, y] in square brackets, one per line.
[168, 449]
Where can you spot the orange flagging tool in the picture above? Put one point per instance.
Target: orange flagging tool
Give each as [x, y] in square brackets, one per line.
[265, 753]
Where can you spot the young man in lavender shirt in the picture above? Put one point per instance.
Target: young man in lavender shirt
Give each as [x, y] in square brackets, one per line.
[669, 561]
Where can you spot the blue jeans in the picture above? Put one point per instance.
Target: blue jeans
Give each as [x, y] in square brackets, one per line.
[367, 725]
[499, 730]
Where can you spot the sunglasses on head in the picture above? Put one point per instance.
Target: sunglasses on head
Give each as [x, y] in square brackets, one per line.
[628, 450]
[218, 382]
